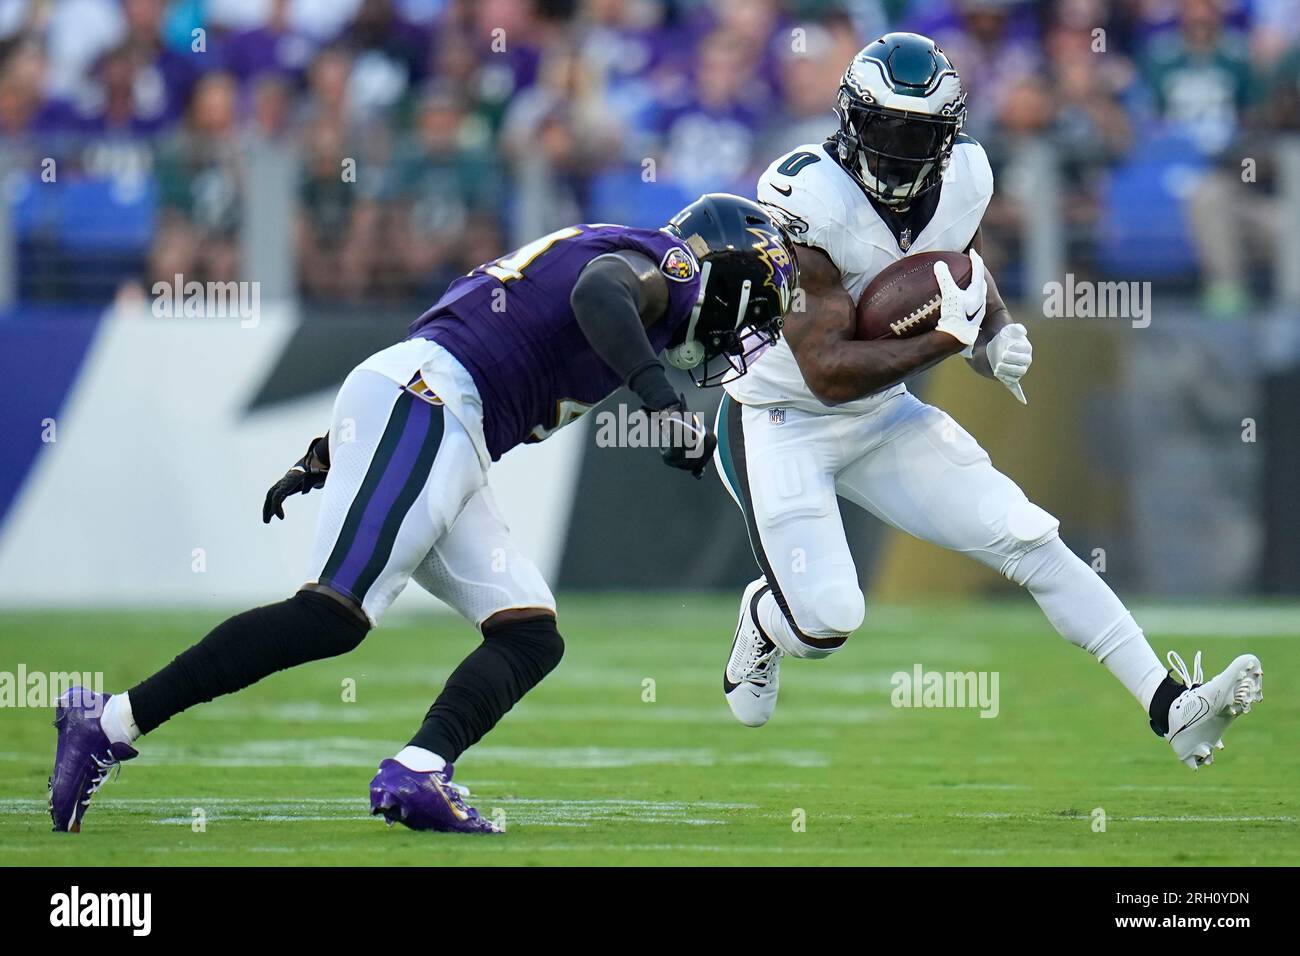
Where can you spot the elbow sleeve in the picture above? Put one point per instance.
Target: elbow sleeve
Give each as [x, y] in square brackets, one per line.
[607, 311]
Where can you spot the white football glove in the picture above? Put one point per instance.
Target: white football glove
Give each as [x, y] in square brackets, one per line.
[961, 311]
[1010, 355]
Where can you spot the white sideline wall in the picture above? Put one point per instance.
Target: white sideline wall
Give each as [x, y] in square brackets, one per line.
[157, 472]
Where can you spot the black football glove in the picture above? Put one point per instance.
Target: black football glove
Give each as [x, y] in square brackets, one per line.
[308, 473]
[687, 441]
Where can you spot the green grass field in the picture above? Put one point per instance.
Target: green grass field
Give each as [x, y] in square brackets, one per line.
[587, 772]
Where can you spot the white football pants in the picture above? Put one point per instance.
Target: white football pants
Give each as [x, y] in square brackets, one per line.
[407, 493]
[912, 466]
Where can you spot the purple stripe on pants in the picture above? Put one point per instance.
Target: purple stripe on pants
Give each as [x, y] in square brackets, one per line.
[395, 476]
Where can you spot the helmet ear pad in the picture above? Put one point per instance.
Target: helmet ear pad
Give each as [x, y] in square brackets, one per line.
[714, 301]
[688, 355]
[690, 352]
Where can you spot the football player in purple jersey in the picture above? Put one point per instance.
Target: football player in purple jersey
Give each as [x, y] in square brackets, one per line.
[516, 349]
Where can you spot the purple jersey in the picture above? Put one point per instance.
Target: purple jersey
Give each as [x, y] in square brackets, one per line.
[510, 324]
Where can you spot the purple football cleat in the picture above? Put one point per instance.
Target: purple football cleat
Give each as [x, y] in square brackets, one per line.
[83, 758]
[424, 801]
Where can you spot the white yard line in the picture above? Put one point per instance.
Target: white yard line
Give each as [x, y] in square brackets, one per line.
[524, 812]
[1187, 818]
[354, 752]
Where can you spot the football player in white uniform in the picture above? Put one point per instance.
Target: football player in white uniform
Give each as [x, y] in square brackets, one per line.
[821, 415]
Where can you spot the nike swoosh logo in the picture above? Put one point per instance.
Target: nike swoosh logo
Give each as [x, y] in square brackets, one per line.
[455, 811]
[727, 685]
[784, 192]
[1201, 712]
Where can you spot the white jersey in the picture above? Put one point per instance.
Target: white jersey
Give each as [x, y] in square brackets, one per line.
[828, 209]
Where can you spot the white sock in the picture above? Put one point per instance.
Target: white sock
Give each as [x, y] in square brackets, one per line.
[1086, 612]
[420, 760]
[1136, 666]
[775, 626]
[117, 720]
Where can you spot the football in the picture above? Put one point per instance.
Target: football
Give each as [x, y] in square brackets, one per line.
[903, 300]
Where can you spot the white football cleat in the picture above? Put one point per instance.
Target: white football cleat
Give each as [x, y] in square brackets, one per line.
[1199, 715]
[752, 676]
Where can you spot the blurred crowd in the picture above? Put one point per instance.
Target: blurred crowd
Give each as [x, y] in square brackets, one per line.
[429, 132]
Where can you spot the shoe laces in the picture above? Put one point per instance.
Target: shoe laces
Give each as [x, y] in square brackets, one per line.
[1193, 679]
[454, 793]
[103, 767]
[761, 666]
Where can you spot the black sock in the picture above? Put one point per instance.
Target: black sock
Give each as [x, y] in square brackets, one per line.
[1164, 697]
[512, 659]
[244, 649]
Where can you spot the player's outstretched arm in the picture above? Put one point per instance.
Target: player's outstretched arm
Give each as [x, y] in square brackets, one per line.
[616, 298]
[837, 367]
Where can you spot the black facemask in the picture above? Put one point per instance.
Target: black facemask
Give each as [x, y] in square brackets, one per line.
[903, 153]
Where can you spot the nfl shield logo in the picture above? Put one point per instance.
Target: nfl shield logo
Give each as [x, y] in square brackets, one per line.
[905, 239]
[776, 416]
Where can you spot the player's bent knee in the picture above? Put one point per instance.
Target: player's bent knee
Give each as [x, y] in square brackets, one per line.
[347, 601]
[1030, 524]
[335, 626]
[835, 612]
[533, 644]
[841, 609]
[1028, 527]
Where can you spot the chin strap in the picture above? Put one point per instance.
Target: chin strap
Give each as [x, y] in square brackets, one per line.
[691, 352]
[744, 302]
